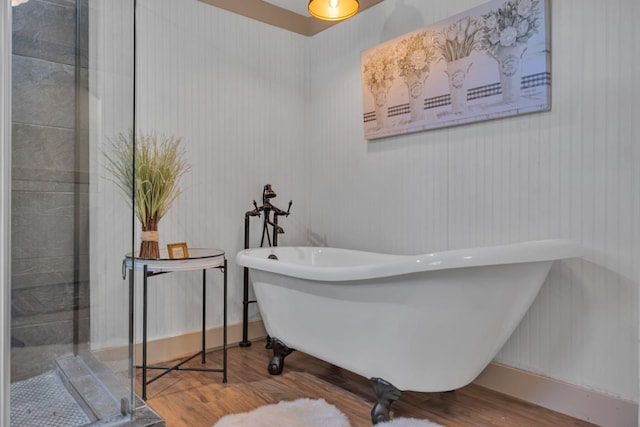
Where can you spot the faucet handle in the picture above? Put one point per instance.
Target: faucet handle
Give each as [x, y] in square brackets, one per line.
[256, 211]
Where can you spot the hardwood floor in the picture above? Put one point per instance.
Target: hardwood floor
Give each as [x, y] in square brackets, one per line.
[194, 399]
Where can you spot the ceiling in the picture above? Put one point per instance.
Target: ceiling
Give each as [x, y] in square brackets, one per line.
[291, 15]
[296, 6]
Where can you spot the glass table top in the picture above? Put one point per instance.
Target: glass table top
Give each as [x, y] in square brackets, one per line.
[199, 258]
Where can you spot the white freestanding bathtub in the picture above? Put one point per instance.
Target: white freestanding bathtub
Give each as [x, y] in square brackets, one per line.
[426, 323]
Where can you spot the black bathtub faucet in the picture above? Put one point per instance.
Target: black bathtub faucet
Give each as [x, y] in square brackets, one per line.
[266, 208]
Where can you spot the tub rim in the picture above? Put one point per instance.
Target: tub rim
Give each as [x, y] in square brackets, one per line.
[520, 252]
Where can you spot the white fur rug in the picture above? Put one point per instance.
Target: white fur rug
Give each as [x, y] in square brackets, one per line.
[305, 413]
[297, 413]
[408, 422]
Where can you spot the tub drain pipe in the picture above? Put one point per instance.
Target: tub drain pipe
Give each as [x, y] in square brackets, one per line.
[245, 289]
[267, 208]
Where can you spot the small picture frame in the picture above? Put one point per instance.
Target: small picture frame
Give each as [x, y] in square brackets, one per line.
[178, 250]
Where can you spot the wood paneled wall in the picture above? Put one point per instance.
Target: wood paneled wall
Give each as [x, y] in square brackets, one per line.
[257, 104]
[568, 173]
[236, 91]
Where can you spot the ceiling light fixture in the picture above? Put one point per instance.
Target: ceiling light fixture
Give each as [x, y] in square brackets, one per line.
[333, 10]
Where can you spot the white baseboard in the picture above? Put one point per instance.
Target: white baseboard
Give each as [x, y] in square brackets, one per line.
[581, 403]
[578, 402]
[176, 347]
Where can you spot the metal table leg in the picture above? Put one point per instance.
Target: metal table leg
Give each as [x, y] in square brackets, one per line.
[202, 352]
[204, 315]
[144, 333]
[224, 325]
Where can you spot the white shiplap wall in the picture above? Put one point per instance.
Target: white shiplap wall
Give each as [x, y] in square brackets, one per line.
[569, 173]
[111, 112]
[236, 91]
[257, 104]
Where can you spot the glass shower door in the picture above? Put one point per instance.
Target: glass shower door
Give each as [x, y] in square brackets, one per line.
[72, 90]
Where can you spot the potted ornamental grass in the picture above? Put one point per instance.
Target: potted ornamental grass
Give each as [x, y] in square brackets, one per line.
[153, 186]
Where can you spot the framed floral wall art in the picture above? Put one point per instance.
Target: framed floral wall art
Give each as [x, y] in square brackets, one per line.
[489, 62]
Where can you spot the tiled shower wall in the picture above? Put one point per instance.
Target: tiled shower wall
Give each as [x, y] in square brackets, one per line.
[49, 185]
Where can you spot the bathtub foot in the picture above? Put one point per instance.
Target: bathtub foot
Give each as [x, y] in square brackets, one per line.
[280, 351]
[386, 394]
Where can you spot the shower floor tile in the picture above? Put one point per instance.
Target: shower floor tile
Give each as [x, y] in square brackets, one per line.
[44, 401]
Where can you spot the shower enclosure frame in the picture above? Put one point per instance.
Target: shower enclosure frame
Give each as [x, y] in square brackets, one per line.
[5, 210]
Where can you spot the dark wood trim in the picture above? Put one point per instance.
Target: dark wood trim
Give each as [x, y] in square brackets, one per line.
[279, 17]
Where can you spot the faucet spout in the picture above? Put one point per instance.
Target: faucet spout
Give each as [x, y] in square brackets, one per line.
[276, 227]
